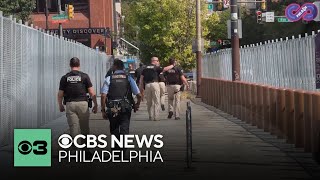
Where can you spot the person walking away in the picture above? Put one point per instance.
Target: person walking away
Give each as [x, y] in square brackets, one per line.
[150, 76]
[116, 100]
[138, 73]
[162, 90]
[175, 79]
[131, 71]
[73, 90]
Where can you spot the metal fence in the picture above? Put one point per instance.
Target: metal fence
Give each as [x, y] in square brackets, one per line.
[31, 65]
[285, 63]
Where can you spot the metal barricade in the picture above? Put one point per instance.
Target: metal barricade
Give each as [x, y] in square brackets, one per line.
[32, 62]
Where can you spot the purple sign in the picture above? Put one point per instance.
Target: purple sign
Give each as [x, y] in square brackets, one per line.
[308, 12]
[317, 61]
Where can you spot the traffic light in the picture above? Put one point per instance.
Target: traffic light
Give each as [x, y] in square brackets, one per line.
[70, 11]
[259, 16]
[263, 5]
[220, 5]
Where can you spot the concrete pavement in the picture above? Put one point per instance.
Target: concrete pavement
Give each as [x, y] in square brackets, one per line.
[223, 148]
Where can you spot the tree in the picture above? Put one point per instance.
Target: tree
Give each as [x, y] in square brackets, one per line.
[163, 28]
[20, 9]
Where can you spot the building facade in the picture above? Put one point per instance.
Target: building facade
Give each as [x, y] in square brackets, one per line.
[92, 24]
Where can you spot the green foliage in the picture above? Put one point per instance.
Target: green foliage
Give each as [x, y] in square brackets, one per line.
[163, 28]
[20, 9]
[255, 33]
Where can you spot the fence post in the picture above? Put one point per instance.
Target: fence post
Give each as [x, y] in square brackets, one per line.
[189, 135]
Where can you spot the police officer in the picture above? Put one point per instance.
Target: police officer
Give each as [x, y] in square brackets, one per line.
[74, 87]
[150, 76]
[131, 71]
[162, 86]
[138, 72]
[117, 101]
[175, 79]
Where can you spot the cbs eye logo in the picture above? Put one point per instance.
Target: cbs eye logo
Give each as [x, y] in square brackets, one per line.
[38, 147]
[32, 147]
[65, 141]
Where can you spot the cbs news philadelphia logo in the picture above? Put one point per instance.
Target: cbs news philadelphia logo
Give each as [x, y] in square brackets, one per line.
[32, 147]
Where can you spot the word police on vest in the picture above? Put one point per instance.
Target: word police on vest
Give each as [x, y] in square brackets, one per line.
[74, 79]
[130, 142]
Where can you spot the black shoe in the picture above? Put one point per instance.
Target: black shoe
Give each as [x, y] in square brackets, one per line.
[170, 115]
[177, 118]
[162, 107]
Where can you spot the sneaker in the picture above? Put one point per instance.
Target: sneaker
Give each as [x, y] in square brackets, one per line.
[170, 115]
[177, 118]
[162, 107]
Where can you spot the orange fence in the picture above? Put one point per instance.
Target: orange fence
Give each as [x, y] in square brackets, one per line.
[290, 114]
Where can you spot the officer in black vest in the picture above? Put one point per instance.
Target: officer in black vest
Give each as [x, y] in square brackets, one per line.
[175, 81]
[131, 71]
[116, 99]
[150, 77]
[74, 87]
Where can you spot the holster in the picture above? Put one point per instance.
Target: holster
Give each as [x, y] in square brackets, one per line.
[124, 105]
[89, 102]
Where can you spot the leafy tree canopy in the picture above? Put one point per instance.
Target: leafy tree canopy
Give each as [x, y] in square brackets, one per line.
[20, 9]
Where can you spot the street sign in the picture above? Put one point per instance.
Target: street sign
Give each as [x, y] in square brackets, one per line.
[213, 43]
[60, 17]
[283, 19]
[269, 16]
[195, 45]
[59, 21]
[239, 30]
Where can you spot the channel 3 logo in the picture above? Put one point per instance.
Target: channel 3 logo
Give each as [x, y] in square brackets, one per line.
[32, 147]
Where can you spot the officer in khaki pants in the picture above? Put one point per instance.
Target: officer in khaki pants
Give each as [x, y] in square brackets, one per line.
[74, 87]
[175, 79]
[150, 76]
[162, 86]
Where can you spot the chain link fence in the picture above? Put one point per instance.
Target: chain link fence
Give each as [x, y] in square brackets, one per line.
[285, 63]
[31, 65]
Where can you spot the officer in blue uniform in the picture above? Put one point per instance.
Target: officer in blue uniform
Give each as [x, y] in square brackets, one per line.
[116, 99]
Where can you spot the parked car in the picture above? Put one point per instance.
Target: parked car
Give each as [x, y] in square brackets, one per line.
[189, 76]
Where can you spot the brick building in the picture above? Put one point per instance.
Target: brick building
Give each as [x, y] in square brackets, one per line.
[91, 25]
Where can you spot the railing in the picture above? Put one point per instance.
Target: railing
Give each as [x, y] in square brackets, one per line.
[31, 65]
[289, 114]
[279, 63]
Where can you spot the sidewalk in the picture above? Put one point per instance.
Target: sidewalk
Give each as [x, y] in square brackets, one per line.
[224, 148]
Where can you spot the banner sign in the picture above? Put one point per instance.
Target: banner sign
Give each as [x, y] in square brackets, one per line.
[77, 31]
[308, 12]
[317, 60]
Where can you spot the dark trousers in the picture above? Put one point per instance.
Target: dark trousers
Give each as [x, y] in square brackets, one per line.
[119, 125]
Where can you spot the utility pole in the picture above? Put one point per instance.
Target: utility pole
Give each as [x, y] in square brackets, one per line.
[60, 24]
[47, 14]
[198, 52]
[115, 24]
[235, 41]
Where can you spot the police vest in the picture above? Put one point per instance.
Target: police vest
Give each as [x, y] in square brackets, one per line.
[150, 74]
[76, 89]
[132, 73]
[173, 76]
[119, 87]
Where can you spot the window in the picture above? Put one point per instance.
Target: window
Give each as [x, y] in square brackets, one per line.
[79, 5]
